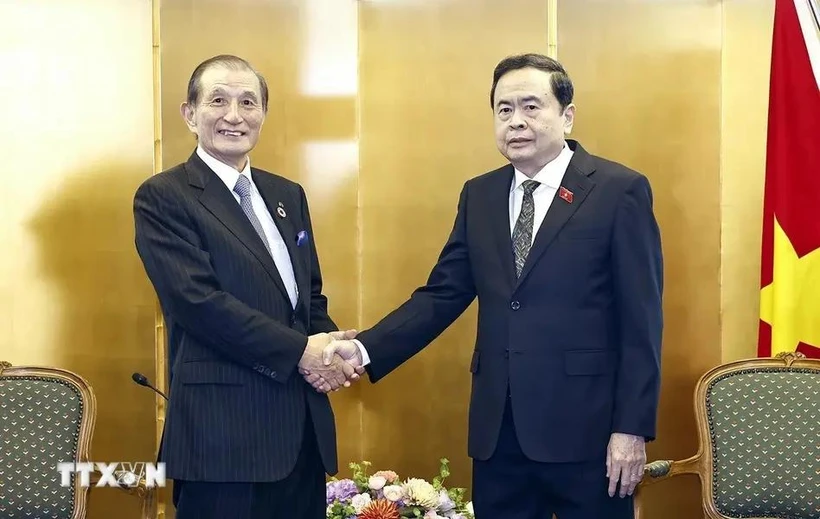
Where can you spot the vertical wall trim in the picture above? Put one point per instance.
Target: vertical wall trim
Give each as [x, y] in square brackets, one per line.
[552, 28]
[160, 364]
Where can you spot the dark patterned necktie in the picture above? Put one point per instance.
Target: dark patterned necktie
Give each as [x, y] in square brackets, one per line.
[243, 189]
[522, 232]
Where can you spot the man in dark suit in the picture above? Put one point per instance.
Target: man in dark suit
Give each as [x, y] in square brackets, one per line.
[563, 252]
[230, 252]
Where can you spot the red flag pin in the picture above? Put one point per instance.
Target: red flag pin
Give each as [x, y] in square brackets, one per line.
[565, 194]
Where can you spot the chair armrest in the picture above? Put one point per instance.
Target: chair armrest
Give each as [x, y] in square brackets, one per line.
[660, 470]
[147, 495]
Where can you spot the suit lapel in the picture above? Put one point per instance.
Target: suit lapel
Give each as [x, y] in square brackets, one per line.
[277, 205]
[576, 180]
[220, 202]
[498, 212]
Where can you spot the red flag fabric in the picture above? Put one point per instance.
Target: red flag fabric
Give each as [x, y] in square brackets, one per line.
[790, 269]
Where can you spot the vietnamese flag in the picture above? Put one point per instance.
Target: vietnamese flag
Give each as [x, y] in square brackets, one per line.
[790, 270]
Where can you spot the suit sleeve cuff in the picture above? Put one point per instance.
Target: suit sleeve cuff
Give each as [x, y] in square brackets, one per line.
[363, 351]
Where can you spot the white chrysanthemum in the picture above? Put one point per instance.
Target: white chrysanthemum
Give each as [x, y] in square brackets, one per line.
[359, 502]
[393, 493]
[421, 493]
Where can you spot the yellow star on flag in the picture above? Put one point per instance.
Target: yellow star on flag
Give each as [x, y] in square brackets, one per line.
[791, 302]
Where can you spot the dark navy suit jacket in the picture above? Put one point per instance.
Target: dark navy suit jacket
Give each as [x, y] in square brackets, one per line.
[237, 404]
[576, 340]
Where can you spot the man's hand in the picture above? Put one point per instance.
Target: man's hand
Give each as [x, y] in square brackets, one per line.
[625, 460]
[330, 375]
[343, 335]
[343, 349]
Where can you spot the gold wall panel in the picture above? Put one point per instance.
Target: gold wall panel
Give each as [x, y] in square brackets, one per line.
[76, 143]
[426, 128]
[647, 76]
[747, 49]
[306, 49]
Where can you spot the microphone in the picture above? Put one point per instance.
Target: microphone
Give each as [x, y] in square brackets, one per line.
[142, 380]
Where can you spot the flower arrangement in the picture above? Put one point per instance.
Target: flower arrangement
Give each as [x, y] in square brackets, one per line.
[383, 495]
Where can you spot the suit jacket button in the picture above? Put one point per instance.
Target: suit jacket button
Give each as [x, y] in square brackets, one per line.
[515, 305]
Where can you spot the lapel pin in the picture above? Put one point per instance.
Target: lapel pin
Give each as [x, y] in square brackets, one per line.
[281, 211]
[565, 194]
[301, 238]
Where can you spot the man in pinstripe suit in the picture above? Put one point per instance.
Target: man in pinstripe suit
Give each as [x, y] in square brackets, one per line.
[230, 252]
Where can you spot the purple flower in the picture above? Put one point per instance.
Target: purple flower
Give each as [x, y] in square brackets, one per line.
[445, 504]
[341, 490]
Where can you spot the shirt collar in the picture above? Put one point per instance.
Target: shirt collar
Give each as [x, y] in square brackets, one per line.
[225, 172]
[551, 174]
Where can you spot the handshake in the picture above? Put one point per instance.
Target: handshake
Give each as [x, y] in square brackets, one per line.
[331, 361]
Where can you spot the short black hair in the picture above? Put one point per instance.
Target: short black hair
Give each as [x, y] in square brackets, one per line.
[559, 79]
[228, 61]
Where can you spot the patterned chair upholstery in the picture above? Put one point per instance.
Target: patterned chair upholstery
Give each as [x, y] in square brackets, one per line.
[759, 427]
[47, 416]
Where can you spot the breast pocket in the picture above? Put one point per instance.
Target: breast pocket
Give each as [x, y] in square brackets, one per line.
[583, 233]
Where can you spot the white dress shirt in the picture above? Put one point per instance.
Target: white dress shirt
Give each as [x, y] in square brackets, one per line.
[278, 249]
[550, 177]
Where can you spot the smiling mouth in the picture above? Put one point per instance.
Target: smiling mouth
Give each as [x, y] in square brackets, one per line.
[231, 133]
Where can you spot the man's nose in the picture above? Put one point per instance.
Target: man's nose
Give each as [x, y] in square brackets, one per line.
[233, 115]
[517, 122]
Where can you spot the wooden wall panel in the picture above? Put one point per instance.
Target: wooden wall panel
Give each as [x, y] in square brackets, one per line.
[647, 76]
[746, 64]
[426, 127]
[76, 143]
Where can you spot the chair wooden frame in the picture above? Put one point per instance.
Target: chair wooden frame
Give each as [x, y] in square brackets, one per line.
[89, 401]
[702, 462]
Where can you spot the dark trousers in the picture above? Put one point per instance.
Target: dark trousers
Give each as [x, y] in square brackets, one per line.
[301, 495]
[511, 486]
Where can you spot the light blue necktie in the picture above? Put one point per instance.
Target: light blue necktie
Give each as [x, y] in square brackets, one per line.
[243, 189]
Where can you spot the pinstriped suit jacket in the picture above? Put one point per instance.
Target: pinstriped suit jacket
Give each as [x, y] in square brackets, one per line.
[237, 404]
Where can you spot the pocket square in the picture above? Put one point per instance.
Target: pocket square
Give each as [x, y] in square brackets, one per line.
[301, 238]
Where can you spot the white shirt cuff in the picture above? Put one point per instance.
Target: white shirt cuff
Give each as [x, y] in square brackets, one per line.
[365, 356]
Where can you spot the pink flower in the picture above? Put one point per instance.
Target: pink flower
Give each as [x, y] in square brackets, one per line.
[390, 476]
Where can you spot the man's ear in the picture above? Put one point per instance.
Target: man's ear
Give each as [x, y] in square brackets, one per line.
[569, 118]
[187, 113]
